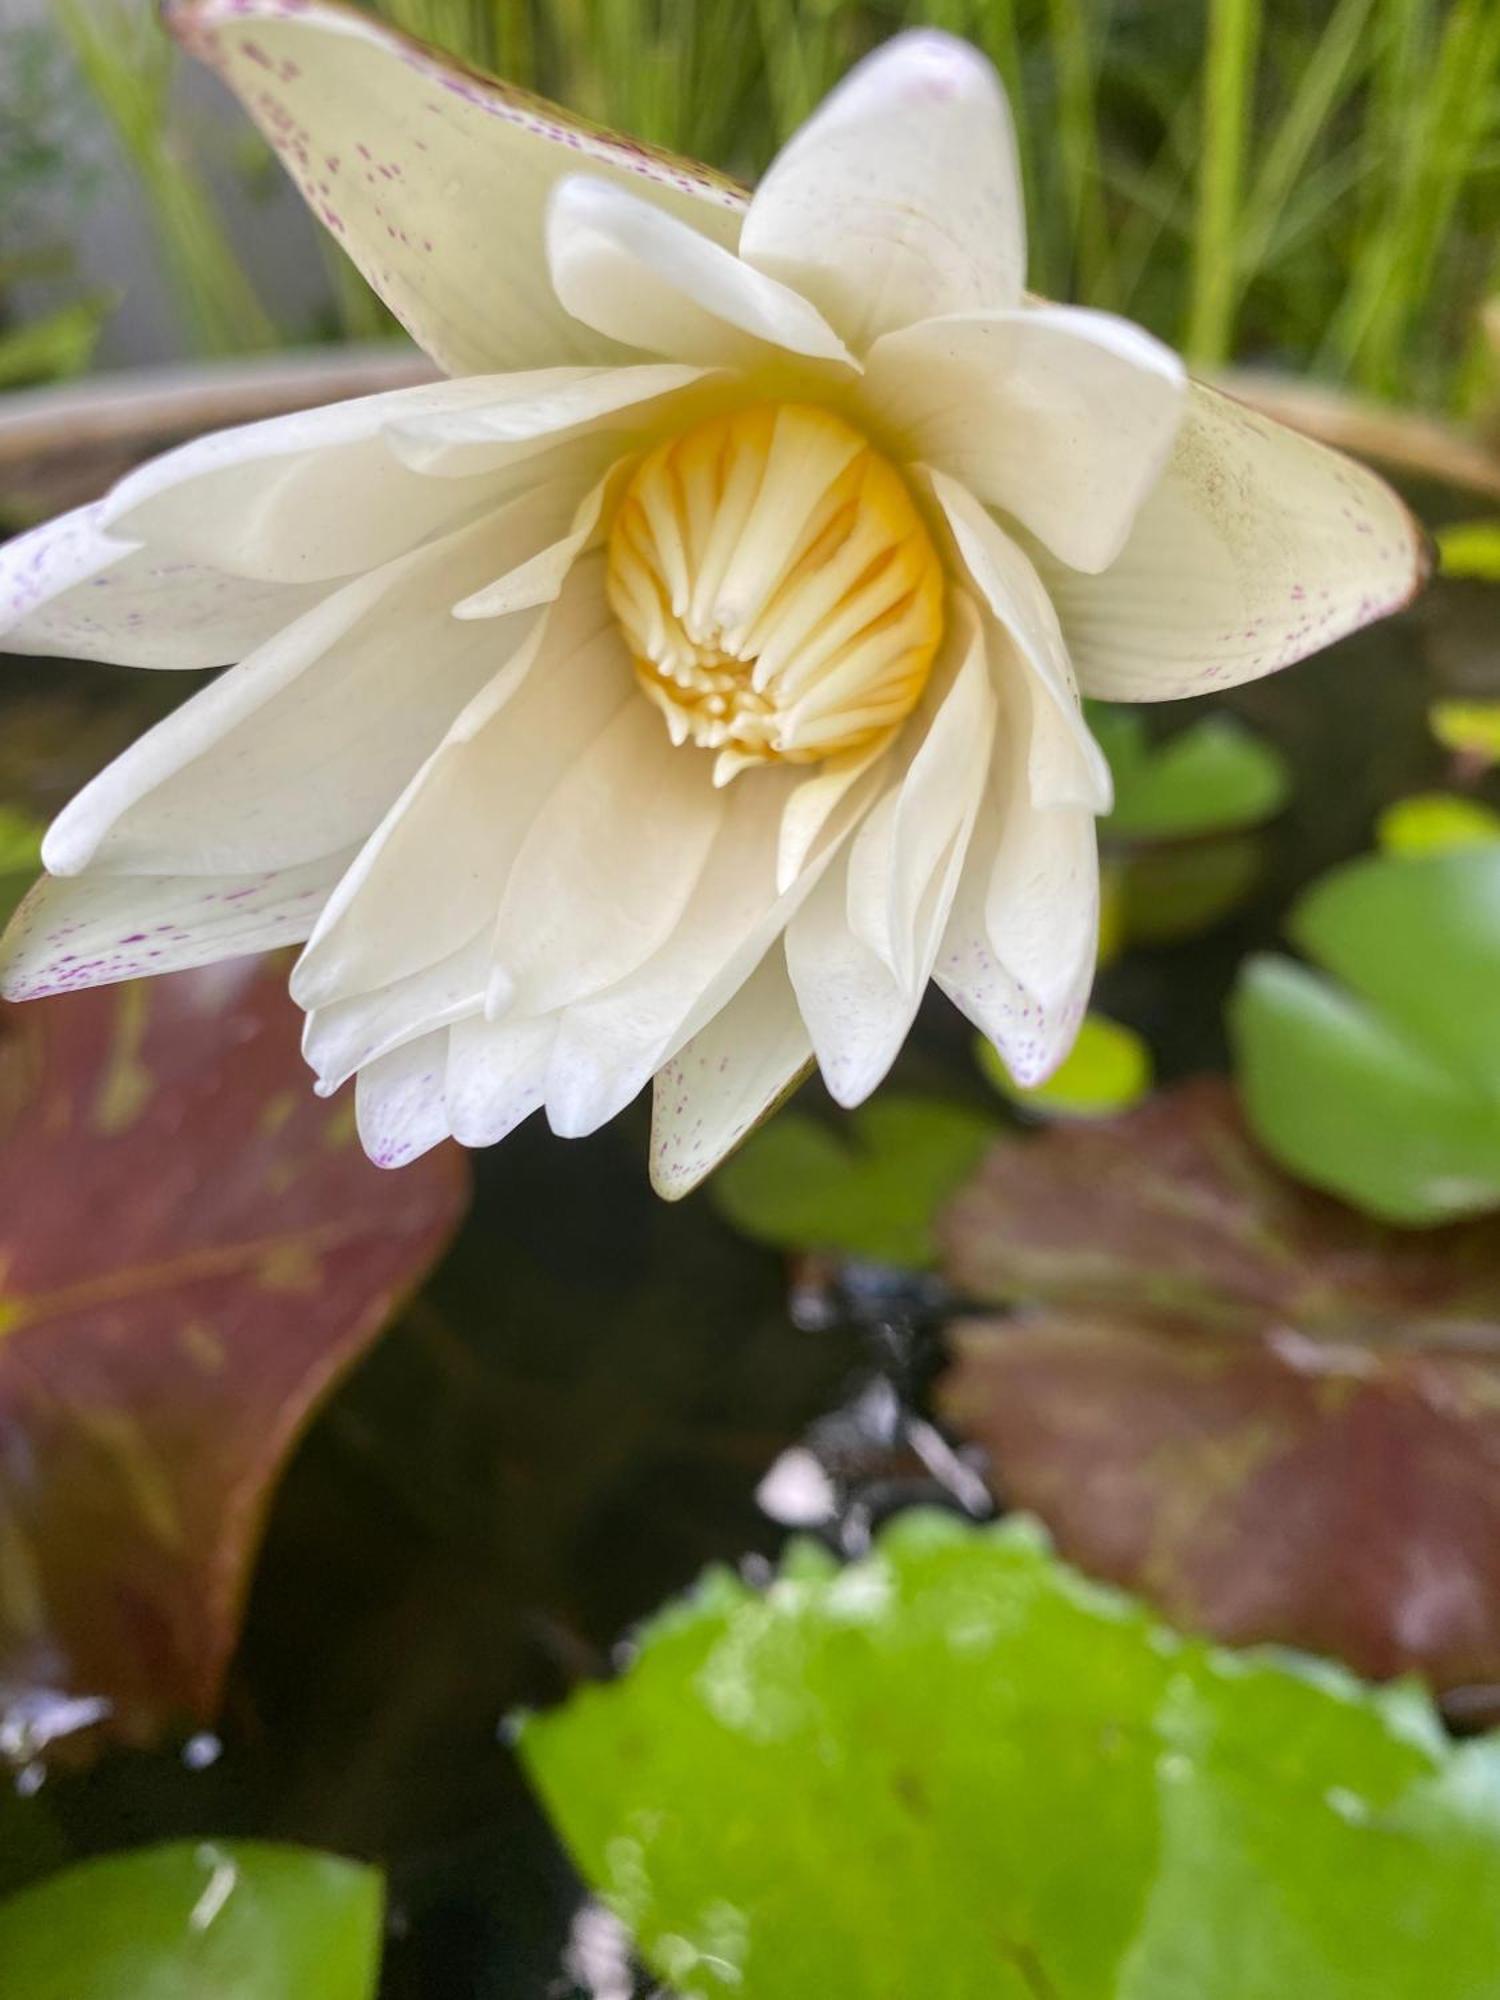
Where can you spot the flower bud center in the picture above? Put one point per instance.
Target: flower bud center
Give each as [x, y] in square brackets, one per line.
[779, 592]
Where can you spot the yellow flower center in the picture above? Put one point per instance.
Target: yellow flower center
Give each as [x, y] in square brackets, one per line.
[779, 592]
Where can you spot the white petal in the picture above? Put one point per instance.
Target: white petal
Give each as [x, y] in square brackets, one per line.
[1064, 418]
[1068, 768]
[1257, 548]
[627, 269]
[398, 1102]
[496, 1076]
[301, 748]
[728, 1077]
[571, 420]
[435, 869]
[811, 805]
[540, 578]
[858, 1013]
[608, 863]
[342, 1038]
[104, 928]
[608, 1048]
[901, 196]
[1020, 946]
[69, 589]
[861, 948]
[434, 180]
[308, 497]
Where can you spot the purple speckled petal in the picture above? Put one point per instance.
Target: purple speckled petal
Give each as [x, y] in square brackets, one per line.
[398, 1101]
[352, 1033]
[103, 928]
[1257, 548]
[435, 180]
[70, 590]
[727, 1078]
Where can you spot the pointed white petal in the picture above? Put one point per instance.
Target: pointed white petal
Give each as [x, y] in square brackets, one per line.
[103, 928]
[1020, 945]
[608, 1048]
[1257, 548]
[858, 1012]
[345, 1037]
[860, 949]
[398, 1102]
[627, 269]
[540, 578]
[608, 864]
[811, 804]
[496, 1076]
[301, 748]
[551, 421]
[434, 871]
[901, 197]
[434, 180]
[69, 589]
[1069, 768]
[1063, 418]
[931, 808]
[311, 496]
[727, 1078]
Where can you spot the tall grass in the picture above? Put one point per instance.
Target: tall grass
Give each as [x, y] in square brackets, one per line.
[1309, 183]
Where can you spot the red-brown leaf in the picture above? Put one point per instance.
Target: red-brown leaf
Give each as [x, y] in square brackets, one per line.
[192, 1250]
[1274, 1417]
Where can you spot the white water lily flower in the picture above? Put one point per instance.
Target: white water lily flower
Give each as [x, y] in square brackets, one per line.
[692, 677]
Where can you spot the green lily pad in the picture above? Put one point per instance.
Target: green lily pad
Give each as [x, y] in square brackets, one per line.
[1470, 549]
[1470, 729]
[1435, 823]
[802, 1185]
[1216, 776]
[20, 857]
[199, 1920]
[1107, 1069]
[1381, 1082]
[956, 1768]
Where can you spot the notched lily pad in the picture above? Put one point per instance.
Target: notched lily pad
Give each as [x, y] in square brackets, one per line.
[192, 1250]
[801, 1185]
[1275, 1417]
[1377, 1076]
[955, 1768]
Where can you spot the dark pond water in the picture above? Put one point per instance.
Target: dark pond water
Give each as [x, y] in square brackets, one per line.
[575, 1417]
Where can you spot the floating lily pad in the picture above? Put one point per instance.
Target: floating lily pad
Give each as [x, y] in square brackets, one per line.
[202, 1920]
[869, 1190]
[1435, 823]
[1275, 1417]
[1381, 1081]
[1216, 776]
[192, 1251]
[1471, 729]
[955, 1768]
[1107, 1069]
[1470, 549]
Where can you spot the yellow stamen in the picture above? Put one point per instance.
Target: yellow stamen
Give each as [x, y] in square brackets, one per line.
[779, 592]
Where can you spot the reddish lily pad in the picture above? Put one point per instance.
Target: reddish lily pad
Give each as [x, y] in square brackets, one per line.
[193, 1249]
[1276, 1418]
